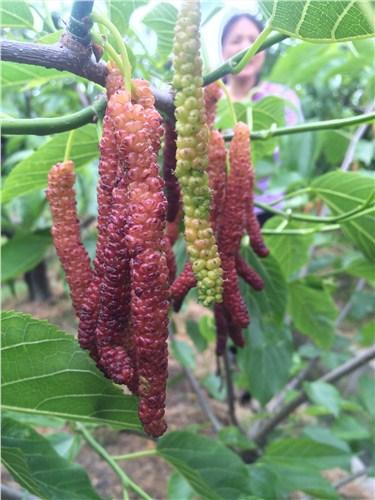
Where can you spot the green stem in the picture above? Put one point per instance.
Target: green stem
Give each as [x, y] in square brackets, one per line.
[300, 232]
[352, 214]
[68, 147]
[252, 50]
[109, 49]
[230, 102]
[48, 17]
[125, 479]
[293, 194]
[137, 454]
[227, 67]
[46, 126]
[311, 127]
[120, 46]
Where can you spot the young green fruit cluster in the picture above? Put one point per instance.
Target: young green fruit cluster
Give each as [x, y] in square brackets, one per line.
[192, 155]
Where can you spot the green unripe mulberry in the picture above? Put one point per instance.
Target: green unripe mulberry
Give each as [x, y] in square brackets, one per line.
[192, 154]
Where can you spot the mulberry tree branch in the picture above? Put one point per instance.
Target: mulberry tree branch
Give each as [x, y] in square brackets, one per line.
[353, 364]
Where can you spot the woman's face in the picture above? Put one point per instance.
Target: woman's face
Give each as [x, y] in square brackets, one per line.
[240, 36]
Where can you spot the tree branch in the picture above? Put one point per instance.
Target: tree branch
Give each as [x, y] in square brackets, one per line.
[45, 126]
[78, 61]
[260, 435]
[309, 127]
[203, 403]
[230, 390]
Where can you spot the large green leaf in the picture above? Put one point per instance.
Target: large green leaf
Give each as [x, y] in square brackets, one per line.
[319, 20]
[212, 470]
[268, 112]
[305, 451]
[325, 395]
[345, 191]
[15, 14]
[313, 312]
[22, 253]
[162, 19]
[290, 252]
[31, 174]
[28, 76]
[45, 371]
[36, 466]
[271, 301]
[121, 11]
[265, 360]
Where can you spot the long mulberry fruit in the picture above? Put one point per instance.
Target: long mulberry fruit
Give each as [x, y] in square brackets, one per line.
[138, 131]
[192, 155]
[66, 231]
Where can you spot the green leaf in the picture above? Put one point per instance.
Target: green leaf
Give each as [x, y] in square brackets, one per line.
[28, 76]
[162, 19]
[233, 437]
[298, 477]
[305, 451]
[207, 328]
[318, 20]
[268, 112]
[22, 253]
[36, 466]
[45, 372]
[349, 429]
[345, 191]
[194, 333]
[366, 393]
[213, 471]
[292, 253]
[15, 14]
[184, 354]
[313, 312]
[300, 63]
[325, 436]
[31, 174]
[179, 488]
[65, 444]
[325, 395]
[362, 268]
[121, 11]
[367, 334]
[265, 360]
[215, 386]
[271, 301]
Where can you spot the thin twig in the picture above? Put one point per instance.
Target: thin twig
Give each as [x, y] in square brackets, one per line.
[230, 390]
[8, 493]
[260, 435]
[202, 400]
[346, 480]
[346, 309]
[293, 384]
[349, 155]
[125, 479]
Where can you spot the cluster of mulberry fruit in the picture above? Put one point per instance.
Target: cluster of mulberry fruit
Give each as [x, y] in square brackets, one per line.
[122, 300]
[231, 215]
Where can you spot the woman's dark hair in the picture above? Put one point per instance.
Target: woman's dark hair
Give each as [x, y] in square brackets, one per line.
[236, 18]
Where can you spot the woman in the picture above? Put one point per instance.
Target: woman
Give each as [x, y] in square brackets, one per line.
[238, 34]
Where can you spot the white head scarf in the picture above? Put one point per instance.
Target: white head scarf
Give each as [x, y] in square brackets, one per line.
[212, 31]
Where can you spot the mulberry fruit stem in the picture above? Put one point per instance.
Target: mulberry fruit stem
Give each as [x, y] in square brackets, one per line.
[66, 231]
[120, 46]
[192, 155]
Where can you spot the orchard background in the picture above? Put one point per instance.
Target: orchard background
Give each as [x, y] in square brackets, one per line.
[291, 414]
